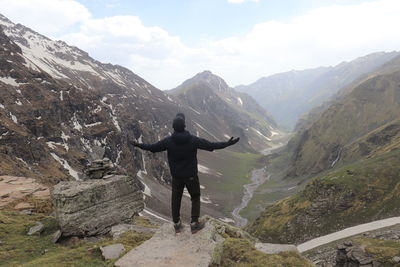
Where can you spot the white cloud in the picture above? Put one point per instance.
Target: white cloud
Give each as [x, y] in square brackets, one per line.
[323, 36]
[45, 16]
[241, 1]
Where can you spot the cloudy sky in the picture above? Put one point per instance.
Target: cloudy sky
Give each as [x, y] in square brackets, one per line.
[166, 42]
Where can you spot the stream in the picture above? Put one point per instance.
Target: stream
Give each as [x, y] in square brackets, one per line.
[258, 177]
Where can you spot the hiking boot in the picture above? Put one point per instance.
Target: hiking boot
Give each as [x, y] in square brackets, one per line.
[196, 226]
[178, 227]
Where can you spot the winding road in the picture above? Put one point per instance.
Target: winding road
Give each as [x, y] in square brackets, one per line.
[322, 240]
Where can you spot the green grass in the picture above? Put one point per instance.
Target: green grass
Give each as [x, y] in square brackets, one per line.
[369, 189]
[238, 172]
[235, 169]
[382, 250]
[242, 253]
[19, 249]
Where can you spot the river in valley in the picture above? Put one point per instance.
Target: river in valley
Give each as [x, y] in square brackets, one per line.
[258, 177]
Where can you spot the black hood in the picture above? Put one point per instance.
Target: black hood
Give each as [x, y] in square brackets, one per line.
[181, 137]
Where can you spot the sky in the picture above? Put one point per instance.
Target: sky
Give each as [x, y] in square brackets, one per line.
[167, 42]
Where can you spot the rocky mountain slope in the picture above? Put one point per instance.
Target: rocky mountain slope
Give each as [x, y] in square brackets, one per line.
[351, 126]
[58, 106]
[351, 154]
[289, 95]
[230, 111]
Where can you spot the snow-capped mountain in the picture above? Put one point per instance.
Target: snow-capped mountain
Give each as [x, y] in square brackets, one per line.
[58, 105]
[235, 112]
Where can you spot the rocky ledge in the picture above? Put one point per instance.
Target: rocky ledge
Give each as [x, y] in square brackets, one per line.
[166, 248]
[91, 207]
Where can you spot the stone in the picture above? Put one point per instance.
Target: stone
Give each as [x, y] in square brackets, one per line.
[56, 236]
[396, 259]
[112, 252]
[349, 254]
[37, 229]
[100, 168]
[118, 230]
[91, 207]
[168, 249]
[275, 248]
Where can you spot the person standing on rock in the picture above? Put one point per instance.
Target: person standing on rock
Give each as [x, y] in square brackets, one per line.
[182, 148]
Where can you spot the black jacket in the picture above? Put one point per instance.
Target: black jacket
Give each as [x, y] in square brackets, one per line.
[182, 152]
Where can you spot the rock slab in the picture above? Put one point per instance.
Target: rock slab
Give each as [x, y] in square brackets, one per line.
[167, 249]
[91, 207]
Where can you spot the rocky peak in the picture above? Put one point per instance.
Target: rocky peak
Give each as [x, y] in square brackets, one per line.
[206, 79]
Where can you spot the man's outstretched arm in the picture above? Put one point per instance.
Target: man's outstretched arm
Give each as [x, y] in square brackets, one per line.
[156, 147]
[210, 146]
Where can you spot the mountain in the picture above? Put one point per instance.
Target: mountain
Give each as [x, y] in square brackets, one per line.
[291, 94]
[351, 155]
[58, 106]
[231, 112]
[369, 105]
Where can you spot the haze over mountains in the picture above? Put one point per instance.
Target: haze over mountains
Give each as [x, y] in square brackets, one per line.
[289, 95]
[349, 156]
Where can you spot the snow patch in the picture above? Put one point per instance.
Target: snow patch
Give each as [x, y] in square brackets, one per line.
[9, 81]
[260, 134]
[274, 133]
[64, 136]
[66, 166]
[201, 127]
[93, 124]
[76, 123]
[2, 106]
[14, 118]
[18, 102]
[23, 161]
[240, 101]
[204, 169]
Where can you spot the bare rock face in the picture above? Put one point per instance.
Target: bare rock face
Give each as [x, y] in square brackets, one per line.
[91, 207]
[167, 249]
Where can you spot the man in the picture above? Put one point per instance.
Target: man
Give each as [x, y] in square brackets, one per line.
[182, 148]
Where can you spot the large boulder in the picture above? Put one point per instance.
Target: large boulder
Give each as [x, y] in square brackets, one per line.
[91, 207]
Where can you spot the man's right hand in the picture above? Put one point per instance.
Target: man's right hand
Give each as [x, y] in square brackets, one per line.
[233, 141]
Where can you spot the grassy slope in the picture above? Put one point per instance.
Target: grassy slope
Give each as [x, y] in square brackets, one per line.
[19, 249]
[382, 250]
[274, 189]
[354, 194]
[370, 105]
[235, 168]
[242, 253]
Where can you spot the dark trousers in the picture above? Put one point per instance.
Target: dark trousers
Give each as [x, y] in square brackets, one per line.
[193, 186]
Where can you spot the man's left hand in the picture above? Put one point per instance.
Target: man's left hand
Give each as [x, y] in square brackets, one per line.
[233, 141]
